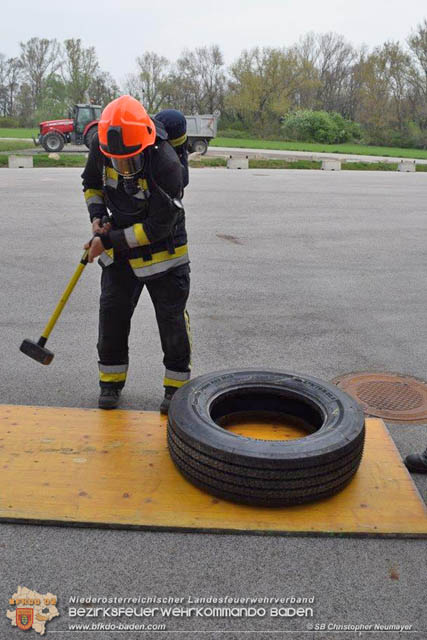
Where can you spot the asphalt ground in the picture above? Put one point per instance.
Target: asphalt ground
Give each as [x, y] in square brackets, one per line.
[313, 272]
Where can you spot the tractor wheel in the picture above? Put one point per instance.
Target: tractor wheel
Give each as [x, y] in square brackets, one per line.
[200, 146]
[265, 472]
[90, 136]
[52, 142]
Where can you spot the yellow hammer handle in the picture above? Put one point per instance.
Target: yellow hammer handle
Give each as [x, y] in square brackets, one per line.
[68, 291]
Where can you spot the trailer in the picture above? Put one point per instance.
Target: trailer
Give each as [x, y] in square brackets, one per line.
[200, 130]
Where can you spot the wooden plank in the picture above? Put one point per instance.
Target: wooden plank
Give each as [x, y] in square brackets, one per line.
[112, 468]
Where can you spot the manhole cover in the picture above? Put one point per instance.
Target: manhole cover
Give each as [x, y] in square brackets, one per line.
[387, 395]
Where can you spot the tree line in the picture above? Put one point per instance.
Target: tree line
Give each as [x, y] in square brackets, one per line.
[383, 89]
[47, 78]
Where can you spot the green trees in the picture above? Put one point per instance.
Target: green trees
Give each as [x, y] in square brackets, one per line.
[320, 88]
[195, 83]
[48, 78]
[10, 76]
[79, 68]
[151, 83]
[263, 86]
[199, 80]
[39, 60]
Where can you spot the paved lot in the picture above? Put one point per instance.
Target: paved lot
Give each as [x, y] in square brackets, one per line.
[314, 272]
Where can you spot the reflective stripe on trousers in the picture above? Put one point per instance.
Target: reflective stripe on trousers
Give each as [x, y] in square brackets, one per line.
[176, 378]
[112, 373]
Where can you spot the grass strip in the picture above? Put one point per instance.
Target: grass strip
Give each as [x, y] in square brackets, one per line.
[14, 145]
[369, 166]
[270, 163]
[75, 160]
[65, 160]
[259, 163]
[208, 162]
[6, 132]
[42, 161]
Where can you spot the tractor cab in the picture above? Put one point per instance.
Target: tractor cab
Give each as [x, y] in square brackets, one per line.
[83, 115]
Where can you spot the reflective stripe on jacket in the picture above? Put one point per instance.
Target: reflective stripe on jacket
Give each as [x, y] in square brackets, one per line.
[148, 222]
[159, 263]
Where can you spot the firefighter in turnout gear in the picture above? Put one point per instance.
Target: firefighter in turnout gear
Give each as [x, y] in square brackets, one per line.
[134, 172]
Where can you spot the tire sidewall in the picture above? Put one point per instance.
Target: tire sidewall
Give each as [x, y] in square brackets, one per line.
[203, 144]
[57, 137]
[343, 421]
[90, 136]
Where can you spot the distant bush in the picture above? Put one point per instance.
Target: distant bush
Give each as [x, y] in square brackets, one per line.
[347, 130]
[229, 121]
[320, 126]
[7, 122]
[409, 136]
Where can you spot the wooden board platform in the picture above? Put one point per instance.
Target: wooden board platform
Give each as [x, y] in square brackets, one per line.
[112, 469]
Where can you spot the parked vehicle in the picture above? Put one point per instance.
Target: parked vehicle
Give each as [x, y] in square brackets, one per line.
[200, 131]
[79, 128]
[82, 124]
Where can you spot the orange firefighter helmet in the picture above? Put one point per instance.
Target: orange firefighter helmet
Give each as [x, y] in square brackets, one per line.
[125, 129]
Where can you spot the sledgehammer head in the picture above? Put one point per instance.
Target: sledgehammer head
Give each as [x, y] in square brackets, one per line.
[36, 351]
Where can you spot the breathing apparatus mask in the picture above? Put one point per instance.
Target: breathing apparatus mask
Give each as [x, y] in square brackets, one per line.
[128, 168]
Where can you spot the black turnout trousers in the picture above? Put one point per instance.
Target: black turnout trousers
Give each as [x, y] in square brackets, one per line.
[120, 292]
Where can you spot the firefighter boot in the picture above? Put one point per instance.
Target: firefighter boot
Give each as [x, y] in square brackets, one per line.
[417, 462]
[169, 392]
[109, 397]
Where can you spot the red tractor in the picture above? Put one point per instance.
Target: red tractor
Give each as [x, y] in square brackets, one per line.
[79, 128]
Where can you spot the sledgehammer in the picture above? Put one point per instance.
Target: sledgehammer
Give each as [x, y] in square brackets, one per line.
[37, 350]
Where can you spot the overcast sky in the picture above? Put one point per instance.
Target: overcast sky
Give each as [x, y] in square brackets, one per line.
[122, 29]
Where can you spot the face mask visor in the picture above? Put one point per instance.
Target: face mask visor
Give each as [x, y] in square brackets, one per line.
[128, 167]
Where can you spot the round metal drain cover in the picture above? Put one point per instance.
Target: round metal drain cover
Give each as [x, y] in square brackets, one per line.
[390, 396]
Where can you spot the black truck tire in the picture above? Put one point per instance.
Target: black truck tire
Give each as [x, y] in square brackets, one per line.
[90, 135]
[265, 472]
[53, 142]
[200, 145]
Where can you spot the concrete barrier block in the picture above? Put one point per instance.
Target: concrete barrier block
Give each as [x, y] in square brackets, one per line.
[238, 162]
[20, 162]
[331, 165]
[409, 166]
